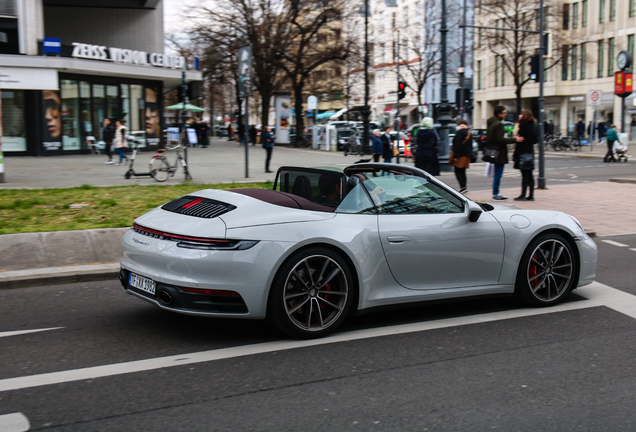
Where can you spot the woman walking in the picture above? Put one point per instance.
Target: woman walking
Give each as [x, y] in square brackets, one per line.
[387, 145]
[460, 154]
[426, 151]
[523, 156]
[120, 140]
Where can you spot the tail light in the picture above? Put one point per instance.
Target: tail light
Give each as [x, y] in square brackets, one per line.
[190, 242]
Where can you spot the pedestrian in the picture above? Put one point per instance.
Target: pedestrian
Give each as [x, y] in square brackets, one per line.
[204, 128]
[580, 129]
[426, 151]
[551, 128]
[460, 154]
[523, 155]
[376, 145]
[108, 133]
[497, 141]
[253, 135]
[387, 145]
[268, 144]
[612, 136]
[120, 140]
[230, 133]
[241, 134]
[601, 129]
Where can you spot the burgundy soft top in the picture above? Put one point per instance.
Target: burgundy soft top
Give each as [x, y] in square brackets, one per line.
[284, 199]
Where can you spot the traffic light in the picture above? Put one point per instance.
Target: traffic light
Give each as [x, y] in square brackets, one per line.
[534, 67]
[401, 90]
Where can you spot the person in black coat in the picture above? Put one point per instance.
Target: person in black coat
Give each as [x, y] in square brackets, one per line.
[252, 135]
[387, 147]
[426, 151]
[523, 156]
[108, 135]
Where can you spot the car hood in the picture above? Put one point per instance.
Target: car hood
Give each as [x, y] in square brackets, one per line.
[245, 211]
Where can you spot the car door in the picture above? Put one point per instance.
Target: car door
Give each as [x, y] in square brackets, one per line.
[428, 241]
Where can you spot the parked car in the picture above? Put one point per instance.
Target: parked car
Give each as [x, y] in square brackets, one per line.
[480, 136]
[451, 134]
[324, 244]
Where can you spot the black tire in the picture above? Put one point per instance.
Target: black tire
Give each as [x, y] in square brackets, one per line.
[159, 168]
[547, 272]
[128, 174]
[311, 294]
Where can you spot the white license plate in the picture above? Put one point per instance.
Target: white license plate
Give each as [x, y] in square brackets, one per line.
[142, 283]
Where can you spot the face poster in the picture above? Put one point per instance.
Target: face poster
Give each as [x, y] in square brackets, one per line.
[153, 124]
[52, 120]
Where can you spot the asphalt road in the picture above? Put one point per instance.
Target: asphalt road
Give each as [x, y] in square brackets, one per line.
[471, 365]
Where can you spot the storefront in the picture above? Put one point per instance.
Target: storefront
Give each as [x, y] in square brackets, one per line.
[57, 105]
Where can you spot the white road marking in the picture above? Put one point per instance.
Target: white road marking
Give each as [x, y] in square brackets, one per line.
[16, 422]
[613, 243]
[595, 294]
[633, 249]
[21, 332]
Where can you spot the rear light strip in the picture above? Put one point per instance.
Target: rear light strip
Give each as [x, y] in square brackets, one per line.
[189, 242]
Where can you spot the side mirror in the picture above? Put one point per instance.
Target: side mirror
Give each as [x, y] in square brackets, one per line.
[474, 211]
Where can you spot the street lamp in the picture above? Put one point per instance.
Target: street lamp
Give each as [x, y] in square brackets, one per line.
[444, 107]
[366, 111]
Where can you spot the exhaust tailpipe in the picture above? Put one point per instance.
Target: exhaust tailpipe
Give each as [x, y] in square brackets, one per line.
[164, 297]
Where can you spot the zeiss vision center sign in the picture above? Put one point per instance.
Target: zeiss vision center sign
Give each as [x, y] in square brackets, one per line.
[126, 56]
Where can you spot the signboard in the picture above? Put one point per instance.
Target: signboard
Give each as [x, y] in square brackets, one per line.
[283, 111]
[126, 56]
[245, 71]
[312, 103]
[173, 134]
[18, 78]
[192, 136]
[52, 46]
[594, 97]
[623, 84]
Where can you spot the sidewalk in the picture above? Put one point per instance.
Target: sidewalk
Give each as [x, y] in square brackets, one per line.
[34, 259]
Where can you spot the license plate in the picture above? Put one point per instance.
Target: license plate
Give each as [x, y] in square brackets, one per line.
[142, 283]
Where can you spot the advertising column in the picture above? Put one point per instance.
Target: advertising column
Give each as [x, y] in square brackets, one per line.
[283, 112]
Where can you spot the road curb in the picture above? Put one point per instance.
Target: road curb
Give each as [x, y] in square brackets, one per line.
[623, 180]
[58, 275]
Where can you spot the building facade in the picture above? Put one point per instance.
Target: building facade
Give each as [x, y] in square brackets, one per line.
[408, 31]
[592, 33]
[64, 68]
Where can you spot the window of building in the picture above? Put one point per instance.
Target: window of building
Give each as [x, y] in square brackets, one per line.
[479, 75]
[14, 139]
[496, 71]
[566, 16]
[503, 71]
[583, 63]
[575, 15]
[394, 20]
[564, 63]
[70, 115]
[601, 14]
[612, 10]
[405, 14]
[574, 61]
[610, 56]
[584, 13]
[630, 44]
[632, 8]
[600, 59]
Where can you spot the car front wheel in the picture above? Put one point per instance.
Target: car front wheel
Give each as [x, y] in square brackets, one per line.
[547, 271]
[312, 293]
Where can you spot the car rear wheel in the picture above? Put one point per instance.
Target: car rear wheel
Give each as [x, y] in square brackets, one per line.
[312, 294]
[547, 271]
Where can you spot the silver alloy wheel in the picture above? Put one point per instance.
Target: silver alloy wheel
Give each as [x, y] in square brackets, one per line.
[315, 293]
[550, 270]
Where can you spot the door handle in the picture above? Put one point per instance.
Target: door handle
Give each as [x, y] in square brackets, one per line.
[398, 239]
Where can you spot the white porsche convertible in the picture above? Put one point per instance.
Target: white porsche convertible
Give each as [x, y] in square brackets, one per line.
[323, 244]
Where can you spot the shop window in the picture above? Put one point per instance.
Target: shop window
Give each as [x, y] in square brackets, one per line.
[14, 139]
[137, 115]
[85, 106]
[112, 107]
[99, 109]
[52, 120]
[70, 115]
[152, 116]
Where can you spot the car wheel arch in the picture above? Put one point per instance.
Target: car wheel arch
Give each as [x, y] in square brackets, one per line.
[570, 241]
[333, 248]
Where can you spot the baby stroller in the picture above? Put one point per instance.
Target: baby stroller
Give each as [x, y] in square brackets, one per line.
[620, 151]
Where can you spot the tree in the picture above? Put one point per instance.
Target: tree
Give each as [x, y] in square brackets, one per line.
[312, 37]
[514, 49]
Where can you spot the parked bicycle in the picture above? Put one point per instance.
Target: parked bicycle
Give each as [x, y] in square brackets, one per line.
[563, 143]
[160, 167]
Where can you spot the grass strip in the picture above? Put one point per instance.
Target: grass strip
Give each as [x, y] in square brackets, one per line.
[88, 207]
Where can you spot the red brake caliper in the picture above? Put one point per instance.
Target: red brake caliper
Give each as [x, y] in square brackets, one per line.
[532, 272]
[326, 296]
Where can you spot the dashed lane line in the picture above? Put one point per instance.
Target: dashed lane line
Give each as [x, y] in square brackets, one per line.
[21, 332]
[594, 295]
[14, 422]
[613, 243]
